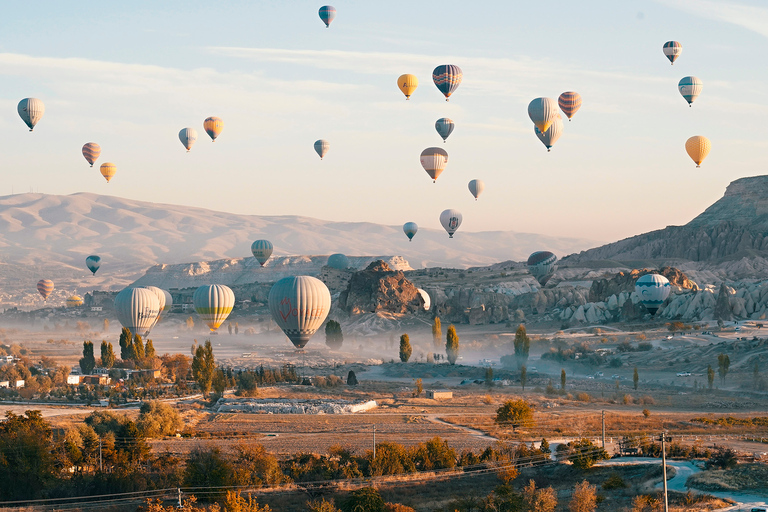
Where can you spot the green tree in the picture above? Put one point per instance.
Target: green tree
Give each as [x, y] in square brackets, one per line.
[88, 361]
[452, 344]
[27, 463]
[635, 378]
[515, 413]
[710, 377]
[437, 331]
[723, 364]
[126, 344]
[207, 467]
[523, 376]
[333, 335]
[405, 348]
[584, 498]
[544, 448]
[220, 382]
[366, 499]
[583, 454]
[107, 355]
[204, 366]
[562, 379]
[149, 350]
[489, 377]
[138, 348]
[522, 345]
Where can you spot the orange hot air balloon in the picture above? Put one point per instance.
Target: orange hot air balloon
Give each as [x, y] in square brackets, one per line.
[108, 170]
[698, 148]
[213, 127]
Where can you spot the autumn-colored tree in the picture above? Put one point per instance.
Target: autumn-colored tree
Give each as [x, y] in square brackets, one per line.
[437, 331]
[452, 345]
[107, 355]
[584, 498]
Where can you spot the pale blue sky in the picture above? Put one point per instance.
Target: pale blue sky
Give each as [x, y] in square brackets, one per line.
[131, 75]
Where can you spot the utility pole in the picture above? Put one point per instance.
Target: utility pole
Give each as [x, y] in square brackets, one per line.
[179, 490]
[101, 465]
[664, 438]
[374, 442]
[603, 420]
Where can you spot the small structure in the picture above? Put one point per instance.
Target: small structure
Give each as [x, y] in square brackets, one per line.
[5, 384]
[439, 394]
[19, 384]
[73, 379]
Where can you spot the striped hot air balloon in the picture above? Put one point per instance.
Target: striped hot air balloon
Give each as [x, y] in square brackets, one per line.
[213, 127]
[93, 263]
[698, 148]
[108, 170]
[543, 112]
[476, 188]
[299, 305]
[690, 87]
[188, 137]
[137, 309]
[407, 84]
[31, 111]
[434, 160]
[213, 303]
[450, 220]
[75, 301]
[549, 137]
[327, 13]
[262, 250]
[672, 50]
[91, 152]
[444, 127]
[653, 290]
[45, 288]
[447, 78]
[410, 229]
[541, 265]
[570, 103]
[321, 147]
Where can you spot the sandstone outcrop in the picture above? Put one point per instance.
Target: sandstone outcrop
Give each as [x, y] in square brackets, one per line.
[378, 288]
[602, 289]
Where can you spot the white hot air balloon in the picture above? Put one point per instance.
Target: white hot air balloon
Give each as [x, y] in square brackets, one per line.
[322, 147]
[137, 309]
[653, 290]
[451, 220]
[476, 188]
[188, 137]
[543, 112]
[31, 111]
[299, 305]
[427, 299]
[549, 137]
[160, 294]
[213, 303]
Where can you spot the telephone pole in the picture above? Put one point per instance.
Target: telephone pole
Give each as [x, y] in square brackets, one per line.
[101, 465]
[664, 438]
[603, 419]
[374, 442]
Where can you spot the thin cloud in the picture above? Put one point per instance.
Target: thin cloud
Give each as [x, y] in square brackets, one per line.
[751, 17]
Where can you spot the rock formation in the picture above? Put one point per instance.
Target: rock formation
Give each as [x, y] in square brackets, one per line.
[378, 288]
[625, 282]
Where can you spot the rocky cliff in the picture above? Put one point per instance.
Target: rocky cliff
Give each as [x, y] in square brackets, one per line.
[378, 288]
[734, 226]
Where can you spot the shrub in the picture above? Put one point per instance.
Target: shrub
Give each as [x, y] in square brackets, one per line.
[627, 399]
[367, 499]
[515, 413]
[158, 419]
[583, 397]
[614, 482]
[646, 413]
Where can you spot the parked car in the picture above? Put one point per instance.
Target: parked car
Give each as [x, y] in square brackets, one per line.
[684, 374]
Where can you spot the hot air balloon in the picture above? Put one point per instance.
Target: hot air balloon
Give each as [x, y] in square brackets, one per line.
[160, 298]
[434, 160]
[327, 13]
[166, 302]
[213, 303]
[410, 229]
[91, 152]
[698, 148]
[108, 170]
[93, 263]
[543, 112]
[570, 103]
[45, 287]
[338, 261]
[31, 111]
[451, 220]
[137, 309]
[541, 265]
[262, 250]
[299, 305]
[476, 187]
[426, 298]
[75, 301]
[549, 137]
[321, 147]
[407, 84]
[447, 78]
[672, 49]
[653, 290]
[188, 137]
[444, 127]
[690, 87]
[213, 126]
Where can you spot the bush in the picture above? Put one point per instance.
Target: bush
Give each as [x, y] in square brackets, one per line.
[515, 413]
[158, 419]
[583, 397]
[627, 399]
[614, 482]
[367, 499]
[646, 413]
[584, 454]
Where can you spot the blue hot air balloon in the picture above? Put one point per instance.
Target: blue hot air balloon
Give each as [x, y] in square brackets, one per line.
[93, 263]
[338, 261]
[653, 290]
[690, 87]
[410, 229]
[327, 13]
[541, 265]
[444, 127]
[447, 78]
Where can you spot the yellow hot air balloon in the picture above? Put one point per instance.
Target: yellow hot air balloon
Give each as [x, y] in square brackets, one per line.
[698, 148]
[108, 170]
[407, 83]
[213, 127]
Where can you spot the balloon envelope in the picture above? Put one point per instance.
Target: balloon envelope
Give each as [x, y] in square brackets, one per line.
[160, 294]
[74, 301]
[213, 126]
[451, 220]
[91, 152]
[327, 13]
[338, 261]
[570, 103]
[476, 187]
[698, 148]
[299, 305]
[45, 288]
[434, 160]
[444, 127]
[426, 298]
[410, 229]
[447, 79]
[407, 84]
[672, 49]
[213, 303]
[653, 290]
[108, 170]
[137, 309]
[541, 265]
[31, 111]
[93, 263]
[262, 250]
[188, 137]
[690, 87]
[543, 112]
[549, 137]
[321, 147]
